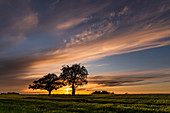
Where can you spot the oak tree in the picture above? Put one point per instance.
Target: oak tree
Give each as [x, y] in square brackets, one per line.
[75, 75]
[48, 82]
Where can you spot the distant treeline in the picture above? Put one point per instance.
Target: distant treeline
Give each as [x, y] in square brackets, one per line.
[102, 92]
[11, 93]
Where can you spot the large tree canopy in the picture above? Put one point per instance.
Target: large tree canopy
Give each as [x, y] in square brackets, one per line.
[75, 75]
[48, 82]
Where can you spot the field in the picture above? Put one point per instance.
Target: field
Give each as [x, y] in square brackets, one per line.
[108, 103]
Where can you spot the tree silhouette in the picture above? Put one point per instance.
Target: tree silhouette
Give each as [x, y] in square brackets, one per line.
[48, 82]
[96, 92]
[101, 92]
[75, 76]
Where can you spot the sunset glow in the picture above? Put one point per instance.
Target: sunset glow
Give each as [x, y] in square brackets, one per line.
[125, 45]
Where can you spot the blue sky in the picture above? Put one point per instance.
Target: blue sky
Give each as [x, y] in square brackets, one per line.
[123, 43]
[155, 58]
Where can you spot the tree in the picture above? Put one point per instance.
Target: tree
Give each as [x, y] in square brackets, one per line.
[96, 92]
[105, 92]
[75, 76]
[100, 92]
[48, 82]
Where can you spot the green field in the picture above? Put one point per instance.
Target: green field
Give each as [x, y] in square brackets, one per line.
[108, 103]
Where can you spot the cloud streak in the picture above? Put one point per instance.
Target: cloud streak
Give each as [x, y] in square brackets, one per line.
[71, 23]
[132, 78]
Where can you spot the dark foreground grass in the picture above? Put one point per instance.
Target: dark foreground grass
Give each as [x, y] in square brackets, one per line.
[85, 104]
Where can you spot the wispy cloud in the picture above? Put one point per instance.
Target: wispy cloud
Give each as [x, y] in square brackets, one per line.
[18, 24]
[91, 34]
[132, 78]
[70, 23]
[25, 23]
[123, 11]
[124, 43]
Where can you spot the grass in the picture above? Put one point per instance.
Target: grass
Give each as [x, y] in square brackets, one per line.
[109, 103]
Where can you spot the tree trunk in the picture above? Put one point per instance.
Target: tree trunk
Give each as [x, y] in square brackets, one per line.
[73, 89]
[49, 94]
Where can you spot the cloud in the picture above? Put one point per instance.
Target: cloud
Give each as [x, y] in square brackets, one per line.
[88, 52]
[30, 76]
[25, 23]
[93, 32]
[132, 78]
[123, 12]
[16, 23]
[123, 43]
[54, 4]
[99, 65]
[71, 23]
[67, 15]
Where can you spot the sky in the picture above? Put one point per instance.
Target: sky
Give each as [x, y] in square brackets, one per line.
[124, 44]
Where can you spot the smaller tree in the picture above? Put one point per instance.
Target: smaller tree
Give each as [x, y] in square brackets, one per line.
[75, 76]
[101, 92]
[48, 82]
[105, 92]
[96, 92]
